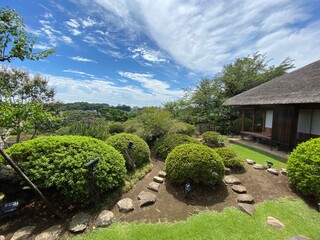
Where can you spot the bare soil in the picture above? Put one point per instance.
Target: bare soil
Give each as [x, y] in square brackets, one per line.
[171, 205]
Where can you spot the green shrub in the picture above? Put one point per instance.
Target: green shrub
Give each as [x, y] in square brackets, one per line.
[116, 127]
[183, 128]
[230, 158]
[304, 168]
[165, 144]
[195, 163]
[141, 149]
[212, 139]
[60, 162]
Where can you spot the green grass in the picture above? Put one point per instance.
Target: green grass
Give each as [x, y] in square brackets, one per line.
[230, 224]
[258, 156]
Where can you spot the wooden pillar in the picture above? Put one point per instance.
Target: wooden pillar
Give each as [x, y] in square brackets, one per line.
[243, 120]
[253, 120]
[264, 120]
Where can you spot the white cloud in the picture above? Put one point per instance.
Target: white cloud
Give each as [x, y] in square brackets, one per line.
[205, 35]
[73, 23]
[88, 22]
[41, 46]
[101, 91]
[81, 59]
[78, 73]
[147, 55]
[67, 40]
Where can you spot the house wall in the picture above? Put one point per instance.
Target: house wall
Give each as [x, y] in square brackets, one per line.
[308, 124]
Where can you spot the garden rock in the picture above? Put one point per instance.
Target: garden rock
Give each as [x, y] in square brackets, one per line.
[274, 222]
[104, 219]
[250, 162]
[162, 174]
[259, 166]
[51, 233]
[79, 222]
[247, 208]
[245, 198]
[154, 186]
[158, 179]
[273, 171]
[2, 237]
[283, 171]
[300, 237]
[125, 205]
[227, 171]
[23, 233]
[230, 179]
[239, 188]
[146, 198]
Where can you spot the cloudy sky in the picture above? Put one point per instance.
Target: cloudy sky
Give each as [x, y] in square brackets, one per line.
[142, 53]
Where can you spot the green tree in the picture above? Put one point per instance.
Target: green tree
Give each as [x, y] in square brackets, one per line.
[15, 42]
[22, 99]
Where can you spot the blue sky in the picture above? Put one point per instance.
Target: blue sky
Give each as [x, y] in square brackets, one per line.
[142, 53]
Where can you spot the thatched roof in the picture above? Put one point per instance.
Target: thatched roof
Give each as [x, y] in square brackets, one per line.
[299, 86]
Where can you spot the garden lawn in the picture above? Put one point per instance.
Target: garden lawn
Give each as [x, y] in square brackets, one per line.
[297, 217]
[258, 156]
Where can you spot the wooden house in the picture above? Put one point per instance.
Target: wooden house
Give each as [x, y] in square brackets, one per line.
[284, 111]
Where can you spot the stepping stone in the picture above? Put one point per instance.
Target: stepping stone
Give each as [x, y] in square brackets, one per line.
[146, 198]
[227, 171]
[23, 233]
[51, 233]
[104, 219]
[158, 179]
[273, 171]
[162, 174]
[283, 171]
[2, 237]
[79, 222]
[247, 208]
[154, 186]
[230, 179]
[259, 166]
[125, 205]
[239, 188]
[245, 198]
[300, 237]
[250, 162]
[271, 221]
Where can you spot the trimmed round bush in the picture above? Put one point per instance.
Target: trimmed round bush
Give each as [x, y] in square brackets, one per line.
[183, 128]
[166, 144]
[141, 151]
[60, 163]
[195, 163]
[211, 139]
[116, 127]
[230, 158]
[304, 168]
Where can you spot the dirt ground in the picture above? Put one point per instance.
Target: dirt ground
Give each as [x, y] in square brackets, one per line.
[170, 205]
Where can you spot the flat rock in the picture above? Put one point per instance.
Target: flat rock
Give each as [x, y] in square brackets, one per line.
[154, 186]
[239, 188]
[245, 198]
[271, 221]
[227, 171]
[2, 237]
[273, 171]
[162, 174]
[51, 233]
[247, 208]
[158, 179]
[125, 205]
[23, 233]
[250, 162]
[146, 198]
[283, 171]
[230, 179]
[300, 237]
[259, 166]
[79, 222]
[104, 219]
